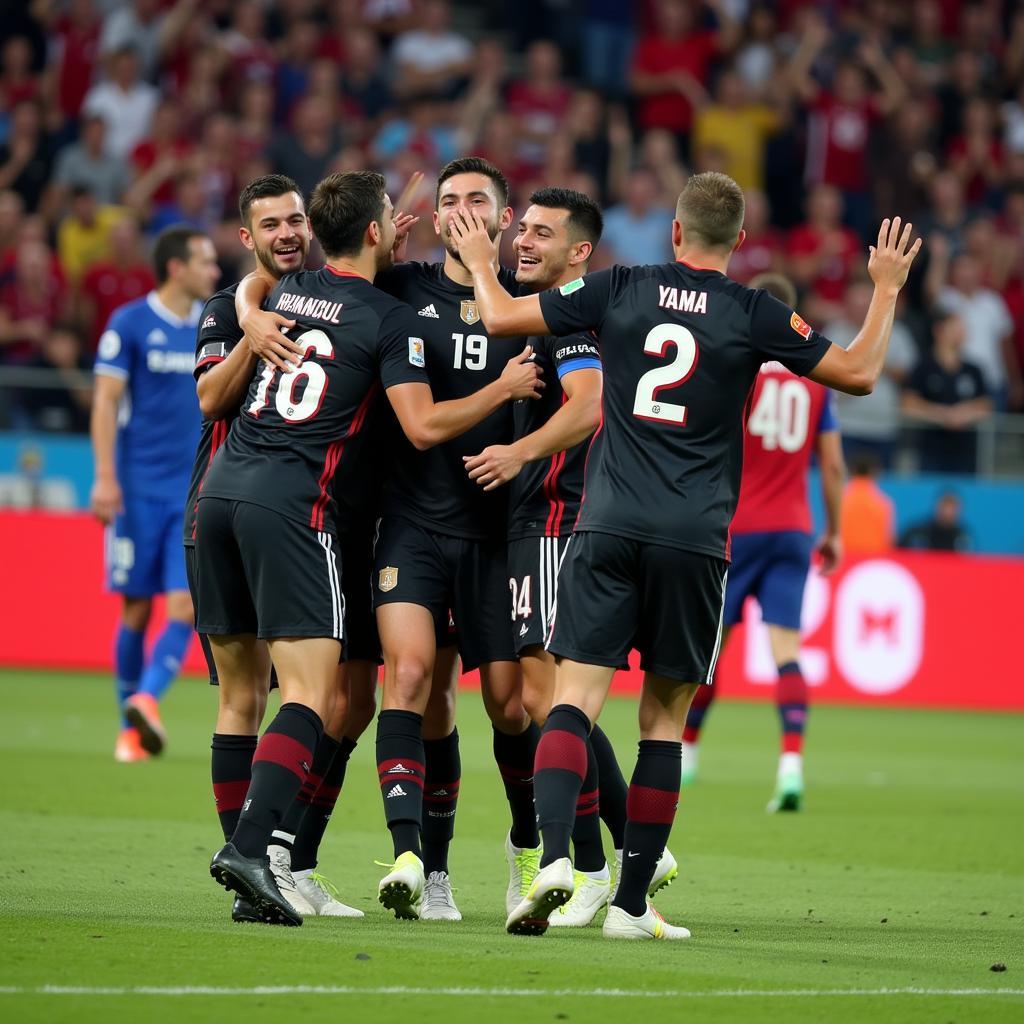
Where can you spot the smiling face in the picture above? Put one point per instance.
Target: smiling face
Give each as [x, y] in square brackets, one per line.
[543, 246]
[279, 234]
[464, 193]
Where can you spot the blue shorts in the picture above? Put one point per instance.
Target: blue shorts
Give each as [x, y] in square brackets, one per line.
[144, 552]
[771, 567]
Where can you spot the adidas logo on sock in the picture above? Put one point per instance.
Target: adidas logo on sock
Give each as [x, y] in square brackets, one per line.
[439, 792]
[400, 769]
[396, 790]
[429, 311]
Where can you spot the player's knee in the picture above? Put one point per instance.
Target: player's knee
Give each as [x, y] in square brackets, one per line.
[135, 613]
[179, 607]
[407, 679]
[507, 713]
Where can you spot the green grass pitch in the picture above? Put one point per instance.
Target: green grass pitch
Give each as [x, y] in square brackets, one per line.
[889, 899]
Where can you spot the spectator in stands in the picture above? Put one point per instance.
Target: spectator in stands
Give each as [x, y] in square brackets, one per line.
[956, 286]
[123, 277]
[18, 82]
[672, 65]
[12, 214]
[947, 393]
[147, 27]
[871, 424]
[26, 157]
[636, 230]
[74, 40]
[363, 81]
[823, 253]
[304, 153]
[252, 58]
[125, 103]
[162, 153]
[757, 56]
[34, 300]
[763, 249]
[903, 161]
[737, 126]
[64, 406]
[943, 532]
[86, 165]
[431, 59]
[297, 51]
[539, 100]
[658, 154]
[83, 237]
[867, 515]
[607, 45]
[975, 154]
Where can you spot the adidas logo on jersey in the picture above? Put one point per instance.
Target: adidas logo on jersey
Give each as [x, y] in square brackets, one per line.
[400, 769]
[430, 311]
[396, 790]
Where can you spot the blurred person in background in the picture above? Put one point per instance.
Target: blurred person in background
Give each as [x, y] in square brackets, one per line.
[304, 153]
[431, 59]
[124, 102]
[634, 230]
[871, 423]
[63, 406]
[867, 514]
[947, 393]
[26, 156]
[34, 300]
[83, 235]
[86, 164]
[764, 247]
[944, 531]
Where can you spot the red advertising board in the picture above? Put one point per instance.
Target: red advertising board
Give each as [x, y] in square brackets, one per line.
[910, 629]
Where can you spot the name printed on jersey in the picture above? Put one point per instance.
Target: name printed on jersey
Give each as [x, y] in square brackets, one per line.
[683, 300]
[307, 305]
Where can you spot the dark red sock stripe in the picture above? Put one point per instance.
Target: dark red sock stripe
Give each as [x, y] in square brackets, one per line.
[792, 742]
[562, 750]
[791, 689]
[229, 796]
[326, 796]
[283, 750]
[386, 767]
[588, 803]
[648, 806]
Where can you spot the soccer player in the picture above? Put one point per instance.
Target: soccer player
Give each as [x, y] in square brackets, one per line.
[681, 346]
[790, 418]
[145, 425]
[544, 467]
[266, 553]
[442, 546]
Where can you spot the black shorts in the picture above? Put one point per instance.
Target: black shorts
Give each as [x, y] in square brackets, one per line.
[261, 573]
[450, 577]
[533, 564]
[355, 546]
[193, 589]
[615, 593]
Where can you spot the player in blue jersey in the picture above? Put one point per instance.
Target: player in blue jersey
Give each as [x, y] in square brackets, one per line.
[145, 428]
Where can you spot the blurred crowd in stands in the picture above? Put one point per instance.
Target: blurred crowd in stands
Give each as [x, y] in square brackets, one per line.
[120, 117]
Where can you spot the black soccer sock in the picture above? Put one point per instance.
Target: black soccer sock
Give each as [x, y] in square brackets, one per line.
[561, 767]
[400, 769]
[610, 785]
[280, 765]
[286, 834]
[321, 802]
[440, 798]
[651, 809]
[231, 770]
[588, 853]
[515, 756]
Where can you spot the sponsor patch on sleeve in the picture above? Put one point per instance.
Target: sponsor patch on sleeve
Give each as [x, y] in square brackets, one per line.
[572, 286]
[801, 326]
[416, 352]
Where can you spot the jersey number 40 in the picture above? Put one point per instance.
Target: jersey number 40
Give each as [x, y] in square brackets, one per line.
[781, 415]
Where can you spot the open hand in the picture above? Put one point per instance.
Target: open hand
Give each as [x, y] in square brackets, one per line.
[830, 551]
[263, 336]
[106, 500]
[476, 250]
[494, 466]
[890, 260]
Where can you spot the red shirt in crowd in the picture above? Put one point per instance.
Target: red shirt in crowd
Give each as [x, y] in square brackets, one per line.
[44, 300]
[147, 152]
[756, 256]
[787, 413]
[656, 56]
[837, 143]
[79, 47]
[807, 240]
[111, 286]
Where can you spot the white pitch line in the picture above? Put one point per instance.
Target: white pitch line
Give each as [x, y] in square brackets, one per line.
[533, 993]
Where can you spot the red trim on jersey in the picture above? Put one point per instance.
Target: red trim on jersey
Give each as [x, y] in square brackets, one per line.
[343, 273]
[217, 438]
[693, 266]
[333, 457]
[555, 503]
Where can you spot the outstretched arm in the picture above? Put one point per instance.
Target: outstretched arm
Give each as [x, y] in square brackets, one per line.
[500, 312]
[855, 370]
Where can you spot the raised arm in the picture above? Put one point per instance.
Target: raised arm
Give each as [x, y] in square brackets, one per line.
[501, 313]
[427, 423]
[574, 422]
[855, 370]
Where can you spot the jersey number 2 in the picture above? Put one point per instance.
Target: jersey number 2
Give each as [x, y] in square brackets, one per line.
[312, 373]
[646, 405]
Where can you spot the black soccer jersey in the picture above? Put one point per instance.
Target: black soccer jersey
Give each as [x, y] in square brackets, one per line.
[681, 348]
[301, 431]
[545, 496]
[217, 335]
[432, 486]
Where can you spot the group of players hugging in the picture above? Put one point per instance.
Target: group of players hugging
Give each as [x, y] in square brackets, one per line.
[531, 473]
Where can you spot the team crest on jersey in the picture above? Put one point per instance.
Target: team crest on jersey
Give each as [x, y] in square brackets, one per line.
[469, 311]
[801, 326]
[416, 357]
[388, 579]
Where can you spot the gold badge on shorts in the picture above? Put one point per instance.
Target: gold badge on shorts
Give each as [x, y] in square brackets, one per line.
[469, 311]
[388, 579]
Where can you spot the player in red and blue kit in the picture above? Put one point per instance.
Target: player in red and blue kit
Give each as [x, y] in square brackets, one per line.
[145, 428]
[790, 419]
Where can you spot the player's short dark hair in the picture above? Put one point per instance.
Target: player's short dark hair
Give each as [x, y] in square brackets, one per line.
[342, 207]
[474, 165]
[172, 244]
[267, 186]
[778, 285]
[710, 209]
[585, 220]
